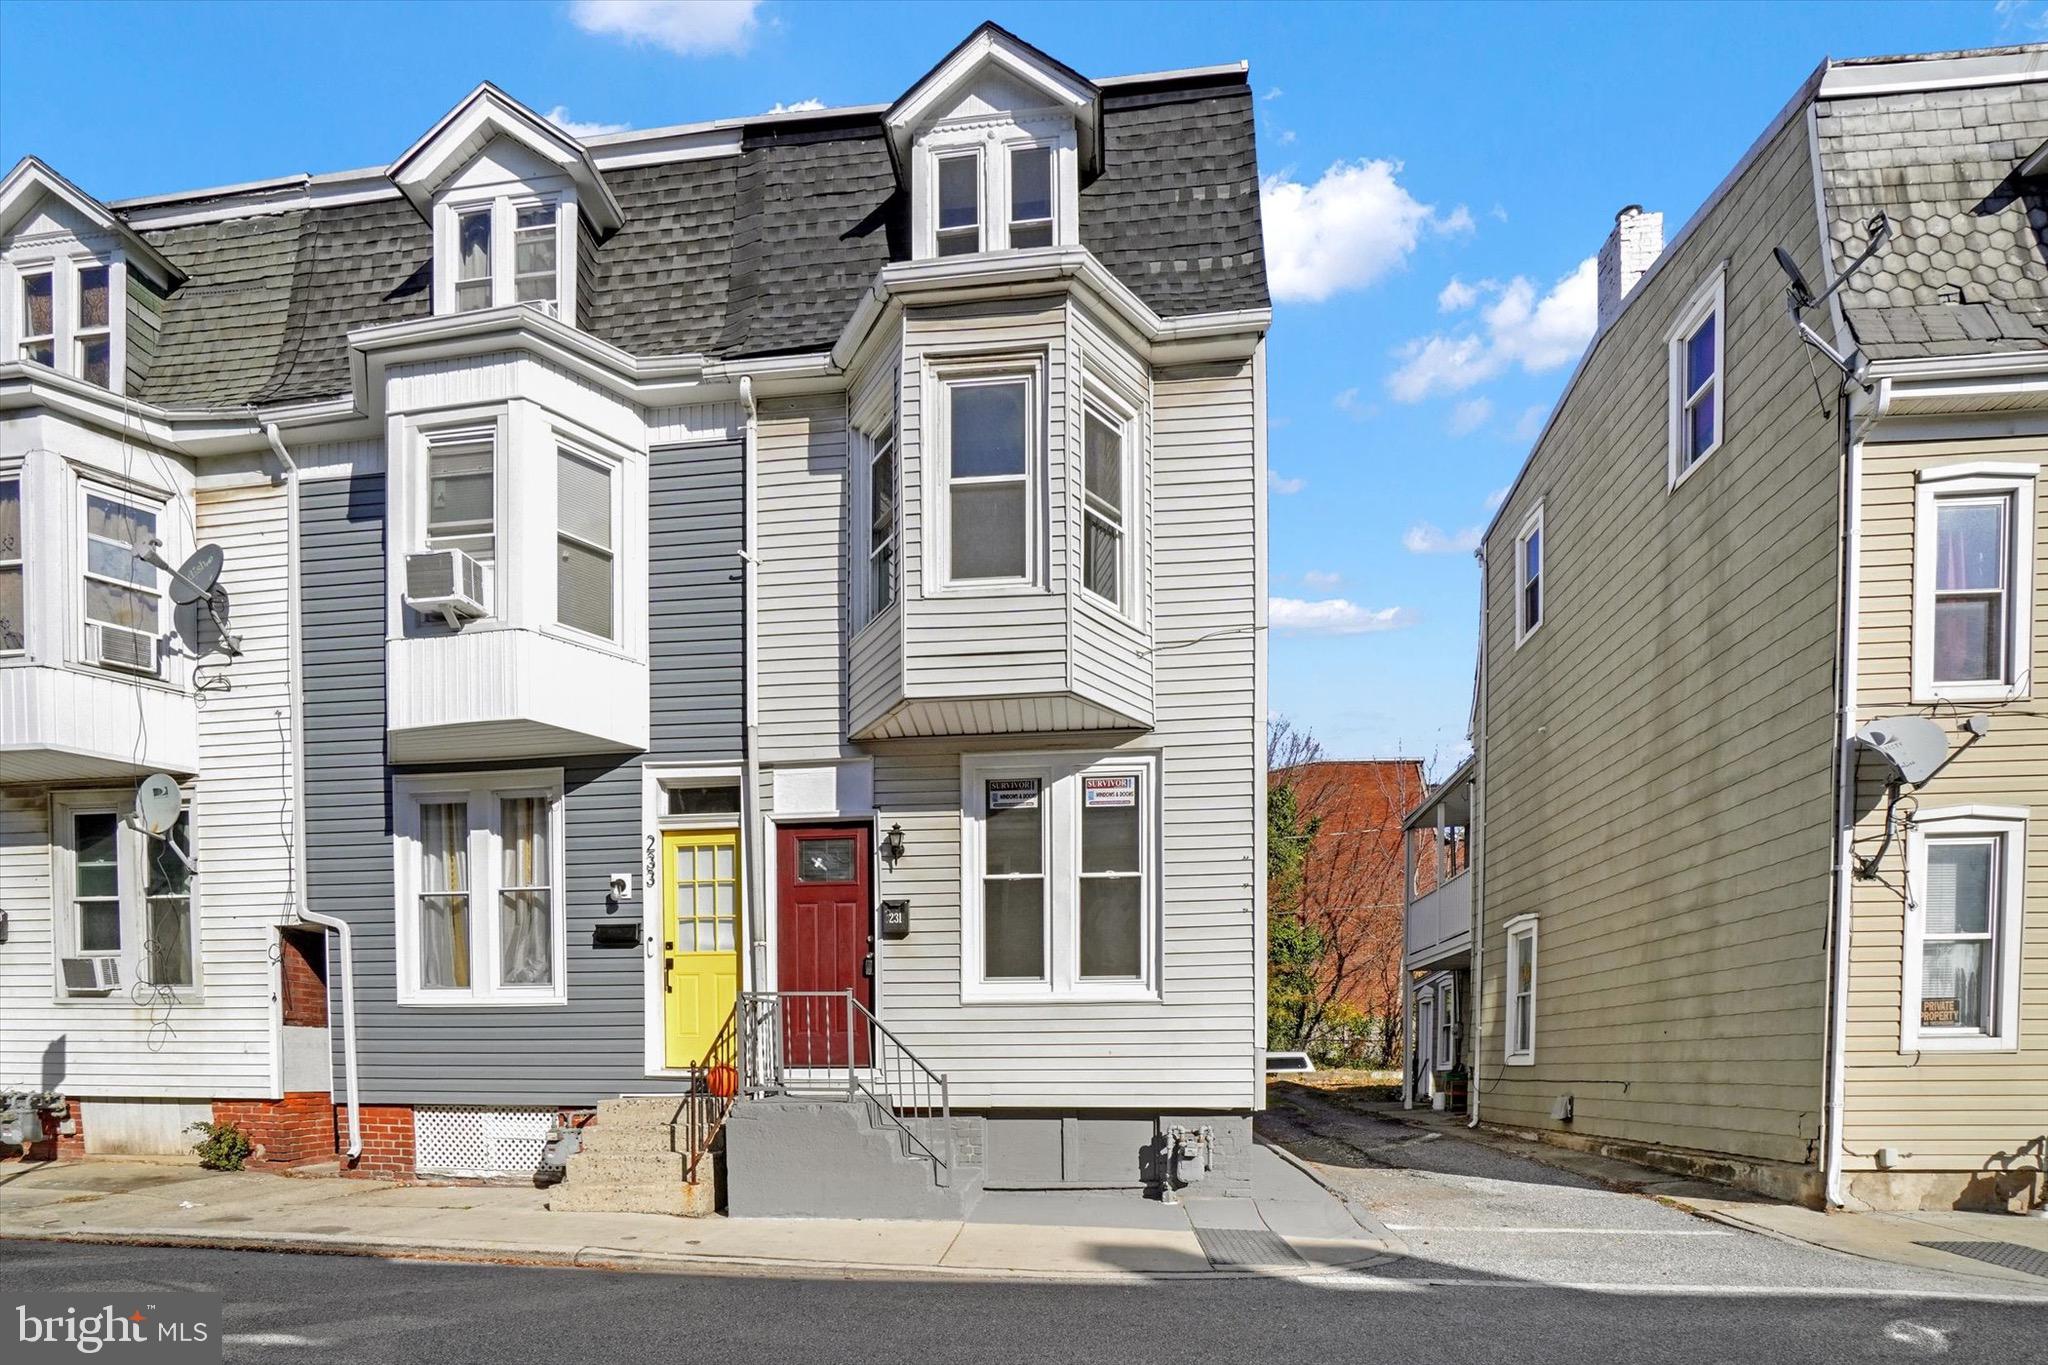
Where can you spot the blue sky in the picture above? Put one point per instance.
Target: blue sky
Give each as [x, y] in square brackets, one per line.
[1437, 178]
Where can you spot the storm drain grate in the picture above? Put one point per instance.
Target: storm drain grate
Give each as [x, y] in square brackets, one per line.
[2011, 1255]
[1246, 1247]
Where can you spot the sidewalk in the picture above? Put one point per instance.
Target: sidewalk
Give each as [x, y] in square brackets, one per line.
[1290, 1226]
[1894, 1238]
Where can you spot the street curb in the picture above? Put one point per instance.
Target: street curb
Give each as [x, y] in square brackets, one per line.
[1733, 1221]
[1365, 1221]
[630, 1259]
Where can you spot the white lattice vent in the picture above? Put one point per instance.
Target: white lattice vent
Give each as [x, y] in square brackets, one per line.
[469, 1141]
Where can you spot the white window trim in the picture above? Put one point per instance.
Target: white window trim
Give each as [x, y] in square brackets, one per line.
[1120, 416]
[992, 137]
[131, 847]
[89, 487]
[1061, 831]
[1521, 927]
[480, 790]
[983, 230]
[17, 559]
[63, 261]
[455, 428]
[860, 538]
[2015, 481]
[1447, 1023]
[615, 470]
[1532, 525]
[504, 204]
[1709, 300]
[936, 446]
[2009, 824]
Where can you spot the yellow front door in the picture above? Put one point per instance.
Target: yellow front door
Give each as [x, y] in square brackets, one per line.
[700, 920]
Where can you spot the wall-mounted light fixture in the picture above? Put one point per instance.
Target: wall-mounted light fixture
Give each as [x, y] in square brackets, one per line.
[892, 844]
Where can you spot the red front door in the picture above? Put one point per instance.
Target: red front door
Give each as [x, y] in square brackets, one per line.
[823, 938]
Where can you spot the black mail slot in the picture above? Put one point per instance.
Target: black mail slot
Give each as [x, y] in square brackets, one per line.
[895, 919]
[615, 933]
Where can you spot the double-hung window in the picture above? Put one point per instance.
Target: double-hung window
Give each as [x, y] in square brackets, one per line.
[535, 278]
[1521, 991]
[1973, 583]
[473, 259]
[991, 439]
[125, 896]
[1696, 347]
[1105, 518]
[883, 512]
[1060, 892]
[1030, 196]
[1447, 1024]
[957, 225]
[92, 333]
[480, 911]
[586, 575]
[13, 565]
[123, 601]
[506, 249]
[37, 327]
[1965, 892]
[462, 492]
[1529, 576]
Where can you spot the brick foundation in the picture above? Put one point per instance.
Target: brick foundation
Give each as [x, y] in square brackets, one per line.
[299, 1127]
[58, 1146]
[387, 1141]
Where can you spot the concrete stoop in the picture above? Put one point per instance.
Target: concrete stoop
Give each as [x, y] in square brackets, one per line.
[790, 1158]
[628, 1164]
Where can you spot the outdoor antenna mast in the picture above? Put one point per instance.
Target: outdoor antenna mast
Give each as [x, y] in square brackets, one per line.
[1799, 297]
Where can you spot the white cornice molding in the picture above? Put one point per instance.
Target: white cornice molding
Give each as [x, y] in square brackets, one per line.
[485, 115]
[31, 181]
[991, 46]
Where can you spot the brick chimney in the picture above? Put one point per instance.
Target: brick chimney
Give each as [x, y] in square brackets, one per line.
[1626, 255]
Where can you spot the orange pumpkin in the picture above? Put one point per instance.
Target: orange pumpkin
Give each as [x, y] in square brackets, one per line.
[723, 1081]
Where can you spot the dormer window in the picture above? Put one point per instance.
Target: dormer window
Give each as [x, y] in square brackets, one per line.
[64, 317]
[92, 338]
[534, 254]
[959, 226]
[473, 260]
[487, 276]
[39, 317]
[1031, 221]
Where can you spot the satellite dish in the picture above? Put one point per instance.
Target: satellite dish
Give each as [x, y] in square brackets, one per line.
[195, 588]
[1800, 289]
[157, 803]
[1913, 746]
[190, 581]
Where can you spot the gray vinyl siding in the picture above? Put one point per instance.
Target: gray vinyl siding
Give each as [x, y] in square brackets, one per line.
[592, 1047]
[1657, 768]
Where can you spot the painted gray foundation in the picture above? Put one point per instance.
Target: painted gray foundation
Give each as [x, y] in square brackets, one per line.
[1108, 1151]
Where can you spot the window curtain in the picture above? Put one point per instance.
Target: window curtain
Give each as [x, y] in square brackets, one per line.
[444, 898]
[526, 956]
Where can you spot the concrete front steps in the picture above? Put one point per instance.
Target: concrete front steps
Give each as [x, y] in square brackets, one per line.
[628, 1164]
[832, 1158]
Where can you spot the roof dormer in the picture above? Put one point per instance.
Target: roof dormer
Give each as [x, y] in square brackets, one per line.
[65, 264]
[512, 198]
[994, 143]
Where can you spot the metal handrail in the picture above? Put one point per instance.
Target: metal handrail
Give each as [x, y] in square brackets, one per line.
[714, 1087]
[824, 1050]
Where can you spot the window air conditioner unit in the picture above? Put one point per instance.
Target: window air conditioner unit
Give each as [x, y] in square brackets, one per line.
[91, 975]
[448, 582]
[116, 647]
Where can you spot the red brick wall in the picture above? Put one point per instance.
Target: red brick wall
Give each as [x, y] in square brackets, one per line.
[299, 1127]
[387, 1140]
[58, 1146]
[302, 977]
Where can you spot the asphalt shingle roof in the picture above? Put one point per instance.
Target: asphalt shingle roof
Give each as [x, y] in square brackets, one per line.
[1964, 272]
[763, 253]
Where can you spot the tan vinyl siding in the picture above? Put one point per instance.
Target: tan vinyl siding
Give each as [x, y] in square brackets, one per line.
[1657, 765]
[1941, 1111]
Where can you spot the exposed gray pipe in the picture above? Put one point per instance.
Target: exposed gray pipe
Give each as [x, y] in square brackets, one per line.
[297, 690]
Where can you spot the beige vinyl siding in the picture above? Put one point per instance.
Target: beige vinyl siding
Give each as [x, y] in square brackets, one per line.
[1942, 1111]
[217, 1041]
[1196, 1047]
[1657, 764]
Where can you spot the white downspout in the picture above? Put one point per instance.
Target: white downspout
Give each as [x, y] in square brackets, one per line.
[750, 770]
[295, 686]
[1845, 810]
[1475, 849]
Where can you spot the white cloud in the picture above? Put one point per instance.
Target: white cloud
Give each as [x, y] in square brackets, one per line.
[1530, 424]
[1286, 137]
[1470, 415]
[1333, 616]
[800, 107]
[1275, 93]
[688, 28]
[1279, 483]
[1321, 580]
[1345, 231]
[1519, 327]
[1425, 539]
[1497, 497]
[1456, 296]
[578, 128]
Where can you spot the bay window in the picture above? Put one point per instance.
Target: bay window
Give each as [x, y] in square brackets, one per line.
[462, 492]
[1104, 516]
[123, 895]
[1965, 891]
[480, 914]
[990, 440]
[1973, 559]
[586, 573]
[123, 601]
[883, 510]
[1060, 887]
[13, 565]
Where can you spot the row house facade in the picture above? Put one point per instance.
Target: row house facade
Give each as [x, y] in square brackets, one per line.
[1755, 885]
[768, 611]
